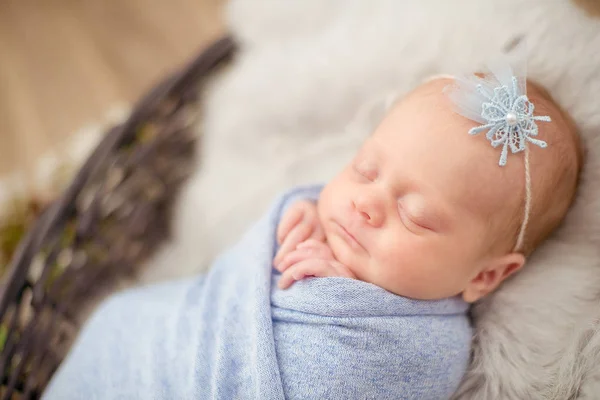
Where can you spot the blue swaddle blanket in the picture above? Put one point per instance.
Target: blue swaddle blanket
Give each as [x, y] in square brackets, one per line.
[232, 334]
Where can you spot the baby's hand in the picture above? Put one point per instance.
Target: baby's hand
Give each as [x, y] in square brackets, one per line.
[300, 222]
[311, 258]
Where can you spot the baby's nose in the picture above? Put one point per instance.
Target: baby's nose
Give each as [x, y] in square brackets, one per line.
[370, 209]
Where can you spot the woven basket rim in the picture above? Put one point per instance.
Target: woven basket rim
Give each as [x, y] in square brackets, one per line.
[182, 86]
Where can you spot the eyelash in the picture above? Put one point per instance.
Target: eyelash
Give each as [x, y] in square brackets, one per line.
[365, 175]
[404, 215]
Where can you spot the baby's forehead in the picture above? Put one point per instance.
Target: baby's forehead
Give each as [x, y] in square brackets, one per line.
[427, 107]
[432, 89]
[432, 92]
[428, 102]
[466, 167]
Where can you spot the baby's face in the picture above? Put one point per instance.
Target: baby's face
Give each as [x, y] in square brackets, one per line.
[419, 208]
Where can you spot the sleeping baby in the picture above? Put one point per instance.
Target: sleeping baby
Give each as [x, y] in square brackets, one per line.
[373, 272]
[426, 212]
[423, 211]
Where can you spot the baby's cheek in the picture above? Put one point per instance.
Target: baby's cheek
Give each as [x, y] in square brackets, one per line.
[393, 249]
[408, 262]
[395, 263]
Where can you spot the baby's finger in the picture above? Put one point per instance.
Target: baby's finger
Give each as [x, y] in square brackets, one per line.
[319, 248]
[308, 243]
[341, 270]
[297, 235]
[310, 267]
[295, 256]
[312, 242]
[289, 221]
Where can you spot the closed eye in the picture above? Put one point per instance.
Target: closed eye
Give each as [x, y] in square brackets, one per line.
[366, 170]
[409, 223]
[413, 223]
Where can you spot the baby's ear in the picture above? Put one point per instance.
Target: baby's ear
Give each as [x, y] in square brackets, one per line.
[492, 275]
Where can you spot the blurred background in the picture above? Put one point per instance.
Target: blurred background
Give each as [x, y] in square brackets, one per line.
[68, 70]
[69, 65]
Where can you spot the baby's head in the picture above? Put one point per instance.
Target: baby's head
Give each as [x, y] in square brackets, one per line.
[425, 211]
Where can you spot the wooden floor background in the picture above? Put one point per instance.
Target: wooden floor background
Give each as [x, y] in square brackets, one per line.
[64, 63]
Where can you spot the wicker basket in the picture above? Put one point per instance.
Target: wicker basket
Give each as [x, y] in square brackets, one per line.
[108, 221]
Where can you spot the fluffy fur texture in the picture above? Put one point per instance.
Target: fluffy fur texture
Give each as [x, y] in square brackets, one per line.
[314, 77]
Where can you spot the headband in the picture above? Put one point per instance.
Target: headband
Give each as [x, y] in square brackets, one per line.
[498, 101]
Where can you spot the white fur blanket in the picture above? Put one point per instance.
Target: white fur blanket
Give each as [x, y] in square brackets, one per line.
[312, 79]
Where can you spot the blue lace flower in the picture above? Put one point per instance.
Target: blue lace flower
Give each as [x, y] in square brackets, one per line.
[510, 119]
